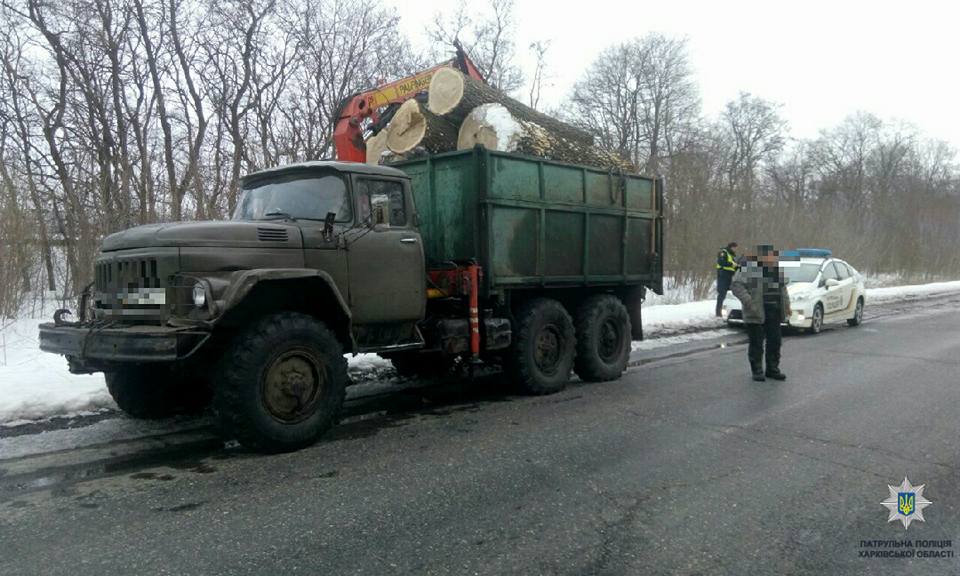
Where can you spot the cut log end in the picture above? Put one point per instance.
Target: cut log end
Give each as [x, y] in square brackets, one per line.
[446, 91]
[376, 146]
[492, 126]
[407, 128]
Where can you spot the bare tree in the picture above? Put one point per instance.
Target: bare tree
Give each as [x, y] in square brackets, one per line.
[756, 134]
[539, 49]
[489, 40]
[639, 99]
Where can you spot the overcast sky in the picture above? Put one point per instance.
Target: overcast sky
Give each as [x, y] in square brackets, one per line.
[821, 60]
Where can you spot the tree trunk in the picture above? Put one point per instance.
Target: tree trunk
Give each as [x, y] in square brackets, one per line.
[413, 126]
[494, 127]
[453, 96]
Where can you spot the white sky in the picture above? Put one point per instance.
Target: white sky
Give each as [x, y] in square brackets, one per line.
[821, 60]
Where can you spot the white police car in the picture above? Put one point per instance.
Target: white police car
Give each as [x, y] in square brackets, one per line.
[822, 290]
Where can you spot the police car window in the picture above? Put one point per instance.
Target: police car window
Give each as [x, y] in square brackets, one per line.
[842, 271]
[830, 272]
[368, 189]
[800, 271]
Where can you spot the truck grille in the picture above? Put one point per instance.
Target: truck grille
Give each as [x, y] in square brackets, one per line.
[138, 273]
[129, 290]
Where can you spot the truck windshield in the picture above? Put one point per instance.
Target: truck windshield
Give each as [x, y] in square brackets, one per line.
[294, 196]
[800, 271]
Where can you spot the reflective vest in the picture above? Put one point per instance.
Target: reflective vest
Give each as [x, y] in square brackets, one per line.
[725, 261]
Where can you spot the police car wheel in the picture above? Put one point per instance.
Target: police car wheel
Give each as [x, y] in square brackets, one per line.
[816, 321]
[857, 314]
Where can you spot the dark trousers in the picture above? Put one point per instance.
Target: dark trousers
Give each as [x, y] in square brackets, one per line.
[769, 331]
[724, 279]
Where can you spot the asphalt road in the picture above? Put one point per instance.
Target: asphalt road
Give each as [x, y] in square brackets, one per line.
[684, 466]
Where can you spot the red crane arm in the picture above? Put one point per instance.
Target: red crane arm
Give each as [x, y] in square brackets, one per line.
[348, 133]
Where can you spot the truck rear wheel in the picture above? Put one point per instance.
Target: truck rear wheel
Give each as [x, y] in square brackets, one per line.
[282, 383]
[152, 391]
[603, 338]
[541, 356]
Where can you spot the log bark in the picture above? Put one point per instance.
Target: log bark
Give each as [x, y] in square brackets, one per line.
[494, 127]
[454, 95]
[413, 126]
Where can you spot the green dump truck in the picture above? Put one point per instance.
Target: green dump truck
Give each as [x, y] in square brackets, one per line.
[439, 263]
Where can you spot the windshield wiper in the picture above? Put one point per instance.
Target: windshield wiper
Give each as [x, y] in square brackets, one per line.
[280, 215]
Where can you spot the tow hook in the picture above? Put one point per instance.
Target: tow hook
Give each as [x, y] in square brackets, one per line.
[58, 318]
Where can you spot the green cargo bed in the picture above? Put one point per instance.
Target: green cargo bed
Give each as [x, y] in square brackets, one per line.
[537, 223]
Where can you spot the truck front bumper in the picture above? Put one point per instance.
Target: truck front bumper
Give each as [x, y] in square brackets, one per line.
[91, 349]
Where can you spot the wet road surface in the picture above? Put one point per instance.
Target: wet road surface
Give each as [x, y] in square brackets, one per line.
[684, 466]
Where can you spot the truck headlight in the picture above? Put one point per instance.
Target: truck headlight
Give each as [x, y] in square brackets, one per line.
[199, 295]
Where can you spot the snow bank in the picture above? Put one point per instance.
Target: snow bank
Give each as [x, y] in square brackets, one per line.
[674, 318]
[912, 292]
[36, 385]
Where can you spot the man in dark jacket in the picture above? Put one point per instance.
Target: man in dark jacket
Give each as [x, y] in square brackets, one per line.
[726, 267]
[762, 292]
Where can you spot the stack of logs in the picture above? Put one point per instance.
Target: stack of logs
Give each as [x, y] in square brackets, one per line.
[460, 112]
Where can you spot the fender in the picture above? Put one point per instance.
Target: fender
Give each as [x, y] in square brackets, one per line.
[243, 283]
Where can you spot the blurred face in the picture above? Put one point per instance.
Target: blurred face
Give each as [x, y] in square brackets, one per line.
[769, 259]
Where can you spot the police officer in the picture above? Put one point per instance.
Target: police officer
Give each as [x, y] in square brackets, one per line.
[762, 292]
[726, 267]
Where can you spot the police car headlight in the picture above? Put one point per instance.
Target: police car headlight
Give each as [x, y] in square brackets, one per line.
[199, 295]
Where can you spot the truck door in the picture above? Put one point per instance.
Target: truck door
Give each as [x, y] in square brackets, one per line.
[385, 263]
[320, 247]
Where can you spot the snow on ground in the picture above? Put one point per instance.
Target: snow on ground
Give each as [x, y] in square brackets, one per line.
[673, 318]
[911, 292]
[35, 385]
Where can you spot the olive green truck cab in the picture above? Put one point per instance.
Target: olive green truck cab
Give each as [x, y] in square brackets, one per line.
[438, 263]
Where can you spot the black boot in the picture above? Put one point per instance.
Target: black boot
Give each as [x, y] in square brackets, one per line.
[758, 376]
[776, 374]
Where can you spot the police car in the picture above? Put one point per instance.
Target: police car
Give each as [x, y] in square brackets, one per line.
[822, 290]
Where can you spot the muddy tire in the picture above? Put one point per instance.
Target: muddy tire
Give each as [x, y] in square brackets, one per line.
[541, 356]
[156, 391]
[603, 338]
[281, 383]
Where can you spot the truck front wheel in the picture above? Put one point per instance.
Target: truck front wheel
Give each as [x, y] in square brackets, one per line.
[281, 383]
[156, 391]
[603, 338]
[541, 357]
